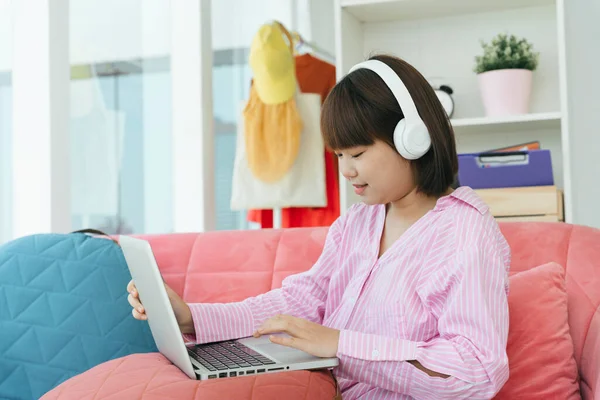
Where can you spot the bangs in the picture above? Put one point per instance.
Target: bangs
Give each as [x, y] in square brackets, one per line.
[346, 118]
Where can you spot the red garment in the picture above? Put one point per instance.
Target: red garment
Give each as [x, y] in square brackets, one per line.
[314, 76]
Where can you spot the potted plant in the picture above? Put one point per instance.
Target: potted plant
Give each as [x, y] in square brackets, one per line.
[504, 72]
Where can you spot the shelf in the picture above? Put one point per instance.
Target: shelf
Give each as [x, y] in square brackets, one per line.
[526, 122]
[394, 10]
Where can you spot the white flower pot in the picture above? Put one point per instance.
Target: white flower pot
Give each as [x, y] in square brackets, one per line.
[505, 91]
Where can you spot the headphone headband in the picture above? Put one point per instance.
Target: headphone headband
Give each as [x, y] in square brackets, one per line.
[411, 136]
[393, 81]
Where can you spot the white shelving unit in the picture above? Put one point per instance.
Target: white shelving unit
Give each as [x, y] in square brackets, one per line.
[528, 122]
[406, 10]
[441, 39]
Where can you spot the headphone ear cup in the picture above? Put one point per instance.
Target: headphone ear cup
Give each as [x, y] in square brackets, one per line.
[412, 141]
[399, 138]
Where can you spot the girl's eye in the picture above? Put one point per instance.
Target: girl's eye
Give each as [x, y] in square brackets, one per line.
[340, 155]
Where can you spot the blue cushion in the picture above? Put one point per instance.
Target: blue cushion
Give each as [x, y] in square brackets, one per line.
[63, 310]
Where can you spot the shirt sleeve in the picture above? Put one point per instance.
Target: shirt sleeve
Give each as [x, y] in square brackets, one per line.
[469, 298]
[302, 295]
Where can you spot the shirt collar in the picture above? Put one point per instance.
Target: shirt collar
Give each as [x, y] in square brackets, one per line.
[463, 194]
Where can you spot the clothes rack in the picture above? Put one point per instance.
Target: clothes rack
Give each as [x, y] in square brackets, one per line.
[297, 44]
[300, 42]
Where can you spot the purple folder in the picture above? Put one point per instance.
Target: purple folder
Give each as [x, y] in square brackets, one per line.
[505, 169]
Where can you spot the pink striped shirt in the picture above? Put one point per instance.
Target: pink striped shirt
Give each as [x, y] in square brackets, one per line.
[437, 295]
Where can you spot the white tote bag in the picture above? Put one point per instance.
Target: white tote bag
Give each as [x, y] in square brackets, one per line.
[303, 185]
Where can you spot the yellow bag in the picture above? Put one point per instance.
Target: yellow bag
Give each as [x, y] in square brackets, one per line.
[303, 185]
[272, 136]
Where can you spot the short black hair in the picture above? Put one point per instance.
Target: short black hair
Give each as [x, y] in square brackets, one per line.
[361, 109]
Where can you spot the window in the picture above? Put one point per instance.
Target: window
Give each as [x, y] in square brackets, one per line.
[121, 162]
[231, 82]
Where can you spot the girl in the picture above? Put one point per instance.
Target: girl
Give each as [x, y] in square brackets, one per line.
[410, 291]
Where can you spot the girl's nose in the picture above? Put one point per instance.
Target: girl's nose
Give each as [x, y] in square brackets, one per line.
[347, 169]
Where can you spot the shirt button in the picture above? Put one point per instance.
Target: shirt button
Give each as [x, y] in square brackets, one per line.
[375, 353]
[352, 299]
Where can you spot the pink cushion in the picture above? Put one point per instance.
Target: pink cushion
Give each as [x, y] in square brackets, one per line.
[153, 377]
[576, 248]
[540, 347]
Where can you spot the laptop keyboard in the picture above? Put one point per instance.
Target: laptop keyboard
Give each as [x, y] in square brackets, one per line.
[227, 355]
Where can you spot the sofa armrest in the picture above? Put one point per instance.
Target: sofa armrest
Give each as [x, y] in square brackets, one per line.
[589, 366]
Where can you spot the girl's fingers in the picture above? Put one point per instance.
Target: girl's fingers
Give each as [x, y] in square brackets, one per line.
[138, 315]
[132, 289]
[133, 302]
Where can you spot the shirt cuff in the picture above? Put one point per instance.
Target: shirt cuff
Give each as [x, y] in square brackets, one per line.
[216, 322]
[370, 347]
[188, 338]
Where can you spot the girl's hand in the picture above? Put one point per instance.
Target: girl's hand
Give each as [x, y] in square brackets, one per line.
[180, 308]
[138, 310]
[307, 336]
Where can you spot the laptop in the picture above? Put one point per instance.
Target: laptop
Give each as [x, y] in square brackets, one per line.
[240, 357]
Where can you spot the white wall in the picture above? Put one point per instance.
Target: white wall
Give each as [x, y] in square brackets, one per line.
[322, 30]
[5, 125]
[6, 37]
[583, 84]
[5, 164]
[40, 147]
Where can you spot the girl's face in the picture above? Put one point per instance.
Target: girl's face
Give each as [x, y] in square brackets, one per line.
[377, 172]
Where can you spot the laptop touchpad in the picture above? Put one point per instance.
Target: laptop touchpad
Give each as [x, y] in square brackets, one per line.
[284, 354]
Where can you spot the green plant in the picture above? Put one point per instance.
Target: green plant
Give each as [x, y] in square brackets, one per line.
[506, 52]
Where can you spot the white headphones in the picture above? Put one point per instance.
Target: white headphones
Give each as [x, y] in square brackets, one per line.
[411, 136]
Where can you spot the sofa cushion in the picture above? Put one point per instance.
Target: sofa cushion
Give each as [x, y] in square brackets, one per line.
[540, 347]
[152, 376]
[575, 247]
[63, 310]
[229, 266]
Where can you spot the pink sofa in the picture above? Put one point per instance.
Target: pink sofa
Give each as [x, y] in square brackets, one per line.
[230, 266]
